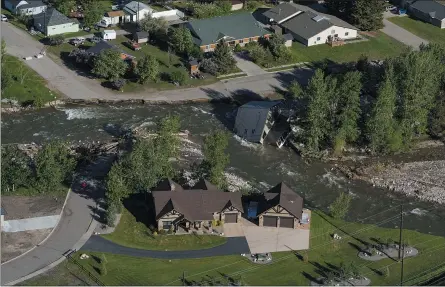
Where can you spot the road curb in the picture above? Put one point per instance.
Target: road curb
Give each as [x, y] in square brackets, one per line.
[76, 247]
[52, 231]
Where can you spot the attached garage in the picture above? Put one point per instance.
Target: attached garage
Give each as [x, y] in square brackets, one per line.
[287, 222]
[270, 221]
[231, 218]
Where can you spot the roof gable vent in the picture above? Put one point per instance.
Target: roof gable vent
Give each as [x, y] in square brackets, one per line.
[318, 18]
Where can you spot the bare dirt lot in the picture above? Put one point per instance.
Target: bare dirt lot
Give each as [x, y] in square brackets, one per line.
[16, 243]
[20, 207]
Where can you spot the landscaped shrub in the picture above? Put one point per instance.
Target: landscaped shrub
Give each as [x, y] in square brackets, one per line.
[178, 77]
[209, 66]
[56, 40]
[118, 84]
[110, 214]
[238, 48]
[340, 206]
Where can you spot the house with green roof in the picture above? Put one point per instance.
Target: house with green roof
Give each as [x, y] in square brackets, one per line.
[52, 22]
[239, 28]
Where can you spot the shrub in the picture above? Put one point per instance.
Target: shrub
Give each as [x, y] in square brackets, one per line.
[103, 270]
[214, 222]
[178, 77]
[162, 232]
[118, 84]
[258, 54]
[38, 102]
[110, 214]
[103, 259]
[238, 48]
[340, 206]
[155, 233]
[209, 66]
[56, 40]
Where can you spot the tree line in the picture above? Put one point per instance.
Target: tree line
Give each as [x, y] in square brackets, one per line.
[385, 107]
[44, 173]
[150, 160]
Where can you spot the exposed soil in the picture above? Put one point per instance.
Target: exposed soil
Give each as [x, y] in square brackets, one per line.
[20, 207]
[17, 243]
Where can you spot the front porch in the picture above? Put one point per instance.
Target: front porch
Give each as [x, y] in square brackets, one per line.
[197, 227]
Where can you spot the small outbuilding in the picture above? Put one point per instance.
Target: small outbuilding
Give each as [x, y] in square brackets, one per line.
[194, 66]
[288, 38]
[140, 37]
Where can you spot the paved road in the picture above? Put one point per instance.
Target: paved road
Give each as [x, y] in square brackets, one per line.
[234, 245]
[75, 221]
[401, 34]
[75, 86]
[247, 66]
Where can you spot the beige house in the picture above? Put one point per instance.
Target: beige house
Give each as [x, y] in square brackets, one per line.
[197, 209]
[282, 207]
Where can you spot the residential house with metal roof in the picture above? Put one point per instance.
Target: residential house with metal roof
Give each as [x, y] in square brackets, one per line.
[52, 22]
[238, 28]
[429, 11]
[22, 7]
[308, 26]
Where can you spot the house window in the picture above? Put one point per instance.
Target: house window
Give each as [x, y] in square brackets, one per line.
[241, 41]
[208, 47]
[251, 39]
[231, 43]
[347, 33]
[253, 131]
[166, 225]
[318, 38]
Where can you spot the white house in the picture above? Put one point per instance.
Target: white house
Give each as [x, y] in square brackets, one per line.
[52, 22]
[136, 11]
[30, 7]
[308, 26]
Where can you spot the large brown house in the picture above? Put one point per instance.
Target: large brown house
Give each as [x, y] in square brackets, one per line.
[281, 207]
[194, 209]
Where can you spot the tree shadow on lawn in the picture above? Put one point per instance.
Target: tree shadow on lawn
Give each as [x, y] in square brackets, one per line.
[324, 270]
[358, 248]
[141, 207]
[311, 278]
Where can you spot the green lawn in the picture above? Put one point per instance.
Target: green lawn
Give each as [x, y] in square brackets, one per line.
[380, 47]
[423, 30]
[25, 84]
[132, 233]
[286, 268]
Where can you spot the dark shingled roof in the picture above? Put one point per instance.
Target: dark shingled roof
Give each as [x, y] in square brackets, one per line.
[282, 11]
[235, 26]
[53, 18]
[195, 204]
[433, 8]
[167, 184]
[282, 195]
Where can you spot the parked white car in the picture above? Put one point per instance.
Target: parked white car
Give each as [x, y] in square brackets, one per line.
[4, 18]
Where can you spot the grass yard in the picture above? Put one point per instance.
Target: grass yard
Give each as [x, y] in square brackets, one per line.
[380, 47]
[286, 268]
[26, 85]
[133, 233]
[423, 30]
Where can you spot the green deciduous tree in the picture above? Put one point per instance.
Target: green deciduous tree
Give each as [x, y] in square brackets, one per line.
[181, 40]
[368, 14]
[56, 40]
[215, 158]
[15, 169]
[295, 90]
[64, 6]
[437, 120]
[179, 77]
[109, 65]
[92, 14]
[147, 68]
[340, 8]
[154, 26]
[347, 110]
[381, 125]
[339, 208]
[317, 122]
[53, 166]
[223, 58]
[117, 185]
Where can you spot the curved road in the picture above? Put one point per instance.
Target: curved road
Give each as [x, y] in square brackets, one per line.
[234, 245]
[71, 231]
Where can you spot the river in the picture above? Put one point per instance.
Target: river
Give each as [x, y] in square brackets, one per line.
[251, 165]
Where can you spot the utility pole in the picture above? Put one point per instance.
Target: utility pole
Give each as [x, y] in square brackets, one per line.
[401, 273]
[401, 228]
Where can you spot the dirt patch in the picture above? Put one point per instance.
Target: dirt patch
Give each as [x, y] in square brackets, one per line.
[20, 207]
[372, 34]
[17, 243]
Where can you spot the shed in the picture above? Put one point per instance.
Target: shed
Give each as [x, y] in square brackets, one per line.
[140, 37]
[288, 38]
[194, 66]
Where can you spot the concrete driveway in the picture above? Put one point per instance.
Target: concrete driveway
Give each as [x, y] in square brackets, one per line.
[271, 239]
[401, 34]
[247, 66]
